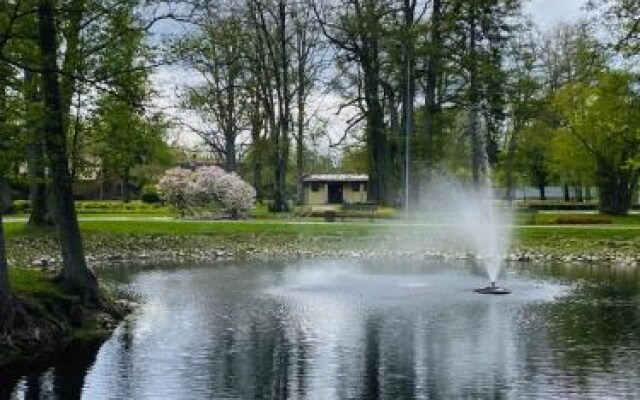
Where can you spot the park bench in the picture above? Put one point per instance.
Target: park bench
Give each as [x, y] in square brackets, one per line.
[368, 208]
[348, 210]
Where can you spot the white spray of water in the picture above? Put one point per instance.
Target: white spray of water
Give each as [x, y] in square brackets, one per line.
[466, 212]
[470, 220]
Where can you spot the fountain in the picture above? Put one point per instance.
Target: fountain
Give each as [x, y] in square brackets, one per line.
[493, 289]
[470, 213]
[462, 222]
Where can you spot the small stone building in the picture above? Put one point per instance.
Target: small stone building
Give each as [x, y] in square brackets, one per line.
[335, 189]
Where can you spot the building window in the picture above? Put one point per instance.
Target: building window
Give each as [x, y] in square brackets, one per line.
[315, 186]
[355, 186]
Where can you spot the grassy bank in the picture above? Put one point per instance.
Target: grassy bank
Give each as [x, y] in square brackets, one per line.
[621, 228]
[111, 239]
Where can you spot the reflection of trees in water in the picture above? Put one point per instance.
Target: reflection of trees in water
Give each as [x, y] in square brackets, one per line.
[63, 380]
[370, 381]
[388, 358]
[257, 355]
[596, 328]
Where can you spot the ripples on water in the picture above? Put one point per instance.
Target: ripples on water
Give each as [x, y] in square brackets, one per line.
[339, 330]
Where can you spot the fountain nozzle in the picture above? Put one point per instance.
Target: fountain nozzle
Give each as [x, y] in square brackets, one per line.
[493, 289]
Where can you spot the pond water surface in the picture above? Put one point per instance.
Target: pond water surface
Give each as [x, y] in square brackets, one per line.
[350, 330]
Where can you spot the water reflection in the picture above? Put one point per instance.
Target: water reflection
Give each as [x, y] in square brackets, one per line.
[61, 376]
[338, 331]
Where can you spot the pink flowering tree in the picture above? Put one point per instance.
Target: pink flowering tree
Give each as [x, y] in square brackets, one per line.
[207, 189]
[176, 187]
[214, 187]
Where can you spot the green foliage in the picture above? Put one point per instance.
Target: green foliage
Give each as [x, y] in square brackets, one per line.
[33, 283]
[604, 117]
[601, 130]
[354, 160]
[150, 194]
[569, 160]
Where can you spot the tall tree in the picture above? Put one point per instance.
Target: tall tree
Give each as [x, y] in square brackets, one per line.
[5, 145]
[8, 147]
[490, 25]
[124, 135]
[604, 118]
[272, 61]
[433, 73]
[217, 53]
[77, 276]
[524, 95]
[570, 53]
[356, 28]
[309, 60]
[5, 287]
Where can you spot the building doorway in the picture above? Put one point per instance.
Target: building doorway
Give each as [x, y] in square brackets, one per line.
[335, 195]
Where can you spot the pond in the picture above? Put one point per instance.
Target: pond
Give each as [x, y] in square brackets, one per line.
[349, 330]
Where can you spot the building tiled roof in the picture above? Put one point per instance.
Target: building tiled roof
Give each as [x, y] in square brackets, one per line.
[337, 178]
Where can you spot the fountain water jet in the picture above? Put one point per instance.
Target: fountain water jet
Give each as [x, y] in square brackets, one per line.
[473, 221]
[470, 209]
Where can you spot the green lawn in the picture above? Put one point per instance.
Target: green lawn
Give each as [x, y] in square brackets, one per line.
[625, 227]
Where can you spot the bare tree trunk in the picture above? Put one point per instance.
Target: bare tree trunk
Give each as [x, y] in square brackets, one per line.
[126, 194]
[300, 122]
[256, 129]
[5, 287]
[231, 130]
[377, 142]
[541, 190]
[77, 276]
[616, 189]
[510, 165]
[378, 149]
[476, 143]
[35, 155]
[300, 149]
[395, 150]
[284, 105]
[38, 189]
[577, 190]
[6, 200]
[474, 102]
[408, 95]
[433, 71]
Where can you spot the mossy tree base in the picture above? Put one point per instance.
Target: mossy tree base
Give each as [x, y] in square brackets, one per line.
[44, 318]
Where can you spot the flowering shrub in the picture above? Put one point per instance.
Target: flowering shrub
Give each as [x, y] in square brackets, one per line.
[206, 188]
[175, 188]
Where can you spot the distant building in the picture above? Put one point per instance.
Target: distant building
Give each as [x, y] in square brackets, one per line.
[335, 189]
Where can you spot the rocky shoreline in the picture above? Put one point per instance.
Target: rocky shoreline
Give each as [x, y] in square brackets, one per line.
[106, 250]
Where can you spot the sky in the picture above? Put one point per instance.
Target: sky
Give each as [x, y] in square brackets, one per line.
[547, 13]
[167, 80]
